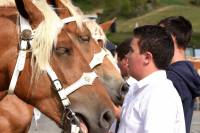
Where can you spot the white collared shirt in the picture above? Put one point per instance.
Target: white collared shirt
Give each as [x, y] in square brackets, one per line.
[154, 107]
[131, 82]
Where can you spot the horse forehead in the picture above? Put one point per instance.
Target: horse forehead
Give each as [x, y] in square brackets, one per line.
[63, 37]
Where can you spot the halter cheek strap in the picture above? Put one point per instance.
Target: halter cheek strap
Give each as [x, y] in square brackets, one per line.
[23, 47]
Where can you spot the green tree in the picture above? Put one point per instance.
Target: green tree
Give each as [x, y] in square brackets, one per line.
[112, 8]
[195, 2]
[139, 6]
[126, 9]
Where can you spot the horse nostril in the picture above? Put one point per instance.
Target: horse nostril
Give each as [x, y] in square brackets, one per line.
[106, 119]
[124, 89]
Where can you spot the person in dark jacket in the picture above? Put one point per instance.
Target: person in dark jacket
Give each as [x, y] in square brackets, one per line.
[181, 72]
[111, 47]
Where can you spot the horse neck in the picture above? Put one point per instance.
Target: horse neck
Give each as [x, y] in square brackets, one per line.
[52, 109]
[39, 94]
[8, 48]
[8, 11]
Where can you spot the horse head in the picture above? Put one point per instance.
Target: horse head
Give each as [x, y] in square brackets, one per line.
[100, 59]
[53, 61]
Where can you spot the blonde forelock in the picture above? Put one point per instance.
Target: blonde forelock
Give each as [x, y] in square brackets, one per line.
[45, 36]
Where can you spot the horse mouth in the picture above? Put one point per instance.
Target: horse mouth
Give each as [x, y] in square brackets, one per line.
[83, 124]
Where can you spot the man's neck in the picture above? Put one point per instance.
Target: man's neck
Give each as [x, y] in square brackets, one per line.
[151, 68]
[179, 55]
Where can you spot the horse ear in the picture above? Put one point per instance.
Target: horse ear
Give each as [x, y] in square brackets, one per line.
[29, 11]
[64, 11]
[106, 25]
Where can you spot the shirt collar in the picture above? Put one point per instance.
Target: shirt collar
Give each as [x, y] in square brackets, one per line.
[155, 76]
[131, 81]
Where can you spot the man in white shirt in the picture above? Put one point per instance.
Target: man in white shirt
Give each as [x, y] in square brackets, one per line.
[123, 49]
[154, 106]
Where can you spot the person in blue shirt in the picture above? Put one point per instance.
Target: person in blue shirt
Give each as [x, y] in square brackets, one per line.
[181, 72]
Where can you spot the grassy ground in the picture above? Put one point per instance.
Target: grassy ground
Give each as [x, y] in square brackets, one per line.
[166, 8]
[125, 27]
[189, 12]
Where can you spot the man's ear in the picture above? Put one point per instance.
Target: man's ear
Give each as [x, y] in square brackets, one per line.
[126, 61]
[148, 57]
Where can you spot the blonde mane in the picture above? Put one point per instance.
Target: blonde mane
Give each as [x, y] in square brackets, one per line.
[95, 30]
[7, 3]
[45, 36]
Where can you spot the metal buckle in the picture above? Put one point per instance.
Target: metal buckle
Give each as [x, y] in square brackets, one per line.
[26, 35]
[57, 84]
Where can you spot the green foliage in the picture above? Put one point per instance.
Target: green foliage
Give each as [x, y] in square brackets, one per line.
[126, 9]
[195, 2]
[112, 8]
[118, 37]
[139, 6]
[89, 5]
[174, 2]
[84, 5]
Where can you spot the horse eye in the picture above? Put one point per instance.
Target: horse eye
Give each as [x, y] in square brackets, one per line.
[62, 50]
[84, 38]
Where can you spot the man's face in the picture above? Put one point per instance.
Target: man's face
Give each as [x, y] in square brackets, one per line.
[135, 60]
[123, 66]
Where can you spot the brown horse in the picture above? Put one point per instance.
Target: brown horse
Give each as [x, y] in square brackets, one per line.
[106, 68]
[33, 85]
[106, 25]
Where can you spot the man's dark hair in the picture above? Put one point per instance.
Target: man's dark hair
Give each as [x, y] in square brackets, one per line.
[123, 48]
[179, 27]
[158, 42]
